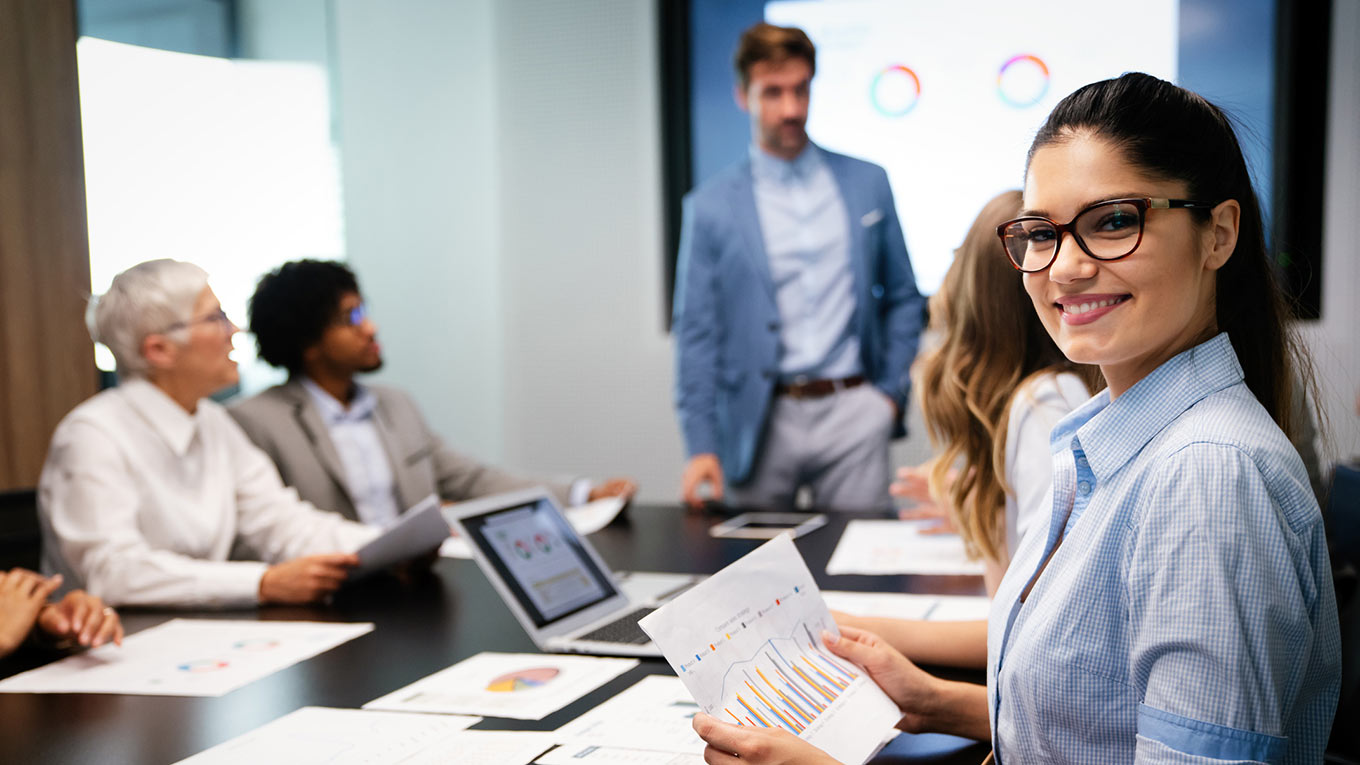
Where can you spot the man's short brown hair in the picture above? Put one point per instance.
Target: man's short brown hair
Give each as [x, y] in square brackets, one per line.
[767, 42]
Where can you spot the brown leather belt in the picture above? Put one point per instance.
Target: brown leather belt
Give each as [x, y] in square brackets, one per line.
[817, 388]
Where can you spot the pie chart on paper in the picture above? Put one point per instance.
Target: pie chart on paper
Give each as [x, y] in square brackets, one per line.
[523, 680]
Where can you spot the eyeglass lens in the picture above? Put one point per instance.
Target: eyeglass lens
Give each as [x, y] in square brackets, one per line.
[1106, 231]
[356, 315]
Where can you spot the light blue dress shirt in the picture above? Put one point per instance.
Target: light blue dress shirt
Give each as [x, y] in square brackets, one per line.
[806, 230]
[1188, 614]
[368, 474]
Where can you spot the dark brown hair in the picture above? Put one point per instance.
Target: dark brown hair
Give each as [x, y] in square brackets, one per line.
[767, 42]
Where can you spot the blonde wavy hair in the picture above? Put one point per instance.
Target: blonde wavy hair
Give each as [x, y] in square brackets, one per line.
[991, 344]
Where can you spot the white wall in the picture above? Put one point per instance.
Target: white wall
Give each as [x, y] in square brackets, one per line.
[1335, 340]
[416, 94]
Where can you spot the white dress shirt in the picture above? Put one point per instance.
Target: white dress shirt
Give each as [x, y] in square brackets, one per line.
[1035, 410]
[142, 502]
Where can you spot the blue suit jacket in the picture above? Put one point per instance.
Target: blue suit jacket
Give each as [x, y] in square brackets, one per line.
[726, 322]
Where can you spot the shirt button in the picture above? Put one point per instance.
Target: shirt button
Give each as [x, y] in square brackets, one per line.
[1084, 487]
[774, 326]
[1081, 461]
[877, 290]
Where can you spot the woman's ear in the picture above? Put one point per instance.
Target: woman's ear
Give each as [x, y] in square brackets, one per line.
[159, 350]
[1224, 223]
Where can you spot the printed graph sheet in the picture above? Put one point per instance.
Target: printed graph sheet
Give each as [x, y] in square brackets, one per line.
[187, 657]
[747, 643]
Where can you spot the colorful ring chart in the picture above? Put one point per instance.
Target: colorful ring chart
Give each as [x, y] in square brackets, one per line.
[523, 680]
[199, 666]
[1022, 81]
[895, 91]
[256, 644]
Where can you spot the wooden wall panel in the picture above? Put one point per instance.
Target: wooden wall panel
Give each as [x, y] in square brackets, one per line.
[46, 357]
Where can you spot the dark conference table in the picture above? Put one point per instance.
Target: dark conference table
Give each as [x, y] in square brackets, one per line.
[420, 628]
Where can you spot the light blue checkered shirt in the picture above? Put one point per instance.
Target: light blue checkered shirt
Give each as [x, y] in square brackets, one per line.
[1188, 615]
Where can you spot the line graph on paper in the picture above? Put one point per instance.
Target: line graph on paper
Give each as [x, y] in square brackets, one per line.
[747, 643]
[788, 684]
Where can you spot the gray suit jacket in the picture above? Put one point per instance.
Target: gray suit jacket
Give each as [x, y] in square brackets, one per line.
[285, 423]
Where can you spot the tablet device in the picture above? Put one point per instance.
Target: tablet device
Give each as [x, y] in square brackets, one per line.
[767, 525]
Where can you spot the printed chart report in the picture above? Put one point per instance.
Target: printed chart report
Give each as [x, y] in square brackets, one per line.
[747, 643]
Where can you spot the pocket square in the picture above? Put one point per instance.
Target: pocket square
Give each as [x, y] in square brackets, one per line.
[870, 218]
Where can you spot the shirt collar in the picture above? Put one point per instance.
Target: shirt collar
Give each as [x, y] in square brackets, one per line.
[768, 167]
[1111, 433]
[166, 417]
[332, 411]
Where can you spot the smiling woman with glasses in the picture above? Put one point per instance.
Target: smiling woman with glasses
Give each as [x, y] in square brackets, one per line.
[1177, 604]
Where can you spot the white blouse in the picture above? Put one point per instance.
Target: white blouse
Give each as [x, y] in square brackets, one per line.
[1036, 408]
[142, 503]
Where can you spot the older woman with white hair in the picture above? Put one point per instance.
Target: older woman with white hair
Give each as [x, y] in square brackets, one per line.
[149, 486]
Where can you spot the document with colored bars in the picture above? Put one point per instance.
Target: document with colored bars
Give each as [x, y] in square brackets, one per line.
[747, 644]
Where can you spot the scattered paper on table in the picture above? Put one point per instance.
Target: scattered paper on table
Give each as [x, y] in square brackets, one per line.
[586, 519]
[323, 735]
[523, 686]
[747, 644]
[416, 532]
[655, 714]
[897, 605]
[593, 516]
[899, 547]
[590, 754]
[187, 657]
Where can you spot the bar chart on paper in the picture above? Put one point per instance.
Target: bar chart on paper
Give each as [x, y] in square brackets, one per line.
[747, 644]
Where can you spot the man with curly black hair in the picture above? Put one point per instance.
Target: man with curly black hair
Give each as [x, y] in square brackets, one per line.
[364, 451]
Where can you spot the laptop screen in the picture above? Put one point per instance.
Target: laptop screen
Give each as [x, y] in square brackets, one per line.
[541, 559]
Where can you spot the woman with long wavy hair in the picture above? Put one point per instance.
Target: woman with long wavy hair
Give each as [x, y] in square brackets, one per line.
[991, 391]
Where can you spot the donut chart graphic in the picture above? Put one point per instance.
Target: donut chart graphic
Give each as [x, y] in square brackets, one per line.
[523, 680]
[1022, 81]
[256, 644]
[895, 91]
[200, 666]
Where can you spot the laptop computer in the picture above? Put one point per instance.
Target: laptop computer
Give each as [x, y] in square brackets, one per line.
[554, 582]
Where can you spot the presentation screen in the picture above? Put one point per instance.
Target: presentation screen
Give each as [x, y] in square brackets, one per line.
[947, 96]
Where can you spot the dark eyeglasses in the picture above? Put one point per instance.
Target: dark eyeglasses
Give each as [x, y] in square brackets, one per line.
[1107, 230]
[219, 316]
[354, 316]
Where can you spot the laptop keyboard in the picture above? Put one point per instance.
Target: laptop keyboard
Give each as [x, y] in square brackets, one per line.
[624, 629]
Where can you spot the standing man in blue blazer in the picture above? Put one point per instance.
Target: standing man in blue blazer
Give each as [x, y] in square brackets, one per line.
[796, 310]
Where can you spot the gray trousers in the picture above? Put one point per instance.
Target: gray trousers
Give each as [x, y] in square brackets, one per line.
[835, 447]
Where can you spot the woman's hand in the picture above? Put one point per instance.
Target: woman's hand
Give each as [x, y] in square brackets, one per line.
[914, 690]
[83, 619]
[738, 745]
[23, 594]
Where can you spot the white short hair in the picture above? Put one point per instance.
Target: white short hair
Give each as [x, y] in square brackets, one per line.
[148, 298]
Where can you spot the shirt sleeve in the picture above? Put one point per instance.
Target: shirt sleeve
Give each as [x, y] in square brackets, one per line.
[1220, 590]
[272, 520]
[90, 503]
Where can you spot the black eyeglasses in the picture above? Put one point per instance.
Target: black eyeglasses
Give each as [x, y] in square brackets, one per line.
[1107, 230]
[219, 317]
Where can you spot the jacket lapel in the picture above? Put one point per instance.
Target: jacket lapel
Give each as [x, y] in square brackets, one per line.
[309, 420]
[396, 457]
[855, 208]
[748, 221]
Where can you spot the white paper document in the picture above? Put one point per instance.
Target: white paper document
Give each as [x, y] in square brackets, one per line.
[418, 531]
[655, 714]
[591, 754]
[899, 547]
[333, 736]
[586, 519]
[747, 644]
[897, 605]
[523, 686]
[187, 657]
